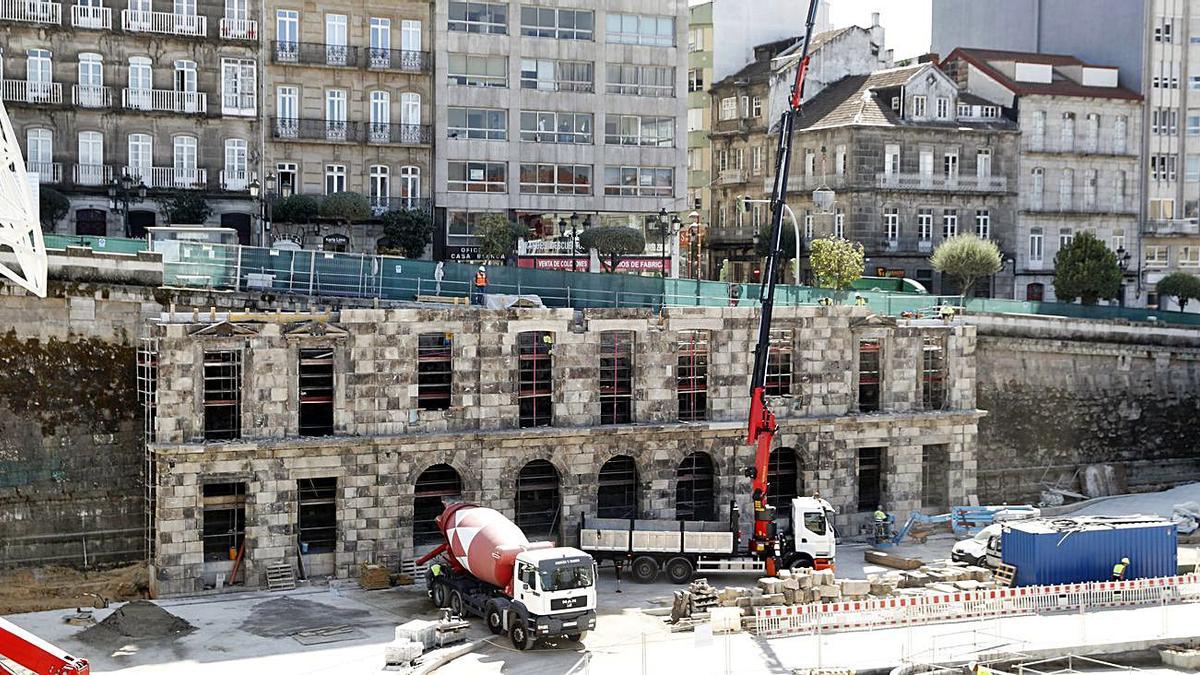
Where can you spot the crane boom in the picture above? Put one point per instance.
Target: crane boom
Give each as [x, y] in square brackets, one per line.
[762, 425]
[33, 653]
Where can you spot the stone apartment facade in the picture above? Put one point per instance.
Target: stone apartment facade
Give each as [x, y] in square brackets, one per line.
[340, 434]
[545, 112]
[350, 97]
[96, 91]
[1079, 158]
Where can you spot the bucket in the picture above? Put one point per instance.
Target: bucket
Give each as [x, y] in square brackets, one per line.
[304, 547]
[232, 553]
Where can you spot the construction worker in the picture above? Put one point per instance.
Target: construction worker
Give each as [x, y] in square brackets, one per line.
[947, 312]
[435, 569]
[881, 521]
[1119, 569]
[480, 285]
[859, 300]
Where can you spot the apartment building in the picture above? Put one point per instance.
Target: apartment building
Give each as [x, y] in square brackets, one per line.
[549, 111]
[121, 106]
[1079, 155]
[349, 107]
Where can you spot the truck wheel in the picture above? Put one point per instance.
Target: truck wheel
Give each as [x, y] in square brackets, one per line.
[799, 561]
[645, 569]
[456, 603]
[577, 637]
[439, 594]
[494, 620]
[679, 570]
[519, 635]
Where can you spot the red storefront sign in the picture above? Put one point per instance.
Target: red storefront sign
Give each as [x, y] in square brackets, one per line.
[563, 263]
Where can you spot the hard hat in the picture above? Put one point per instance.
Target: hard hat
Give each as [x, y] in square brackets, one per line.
[481, 268]
[1125, 560]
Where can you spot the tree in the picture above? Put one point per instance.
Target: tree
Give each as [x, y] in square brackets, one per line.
[612, 242]
[187, 207]
[787, 250]
[349, 206]
[295, 209]
[1086, 269]
[52, 207]
[836, 263]
[407, 231]
[1181, 286]
[498, 236]
[966, 258]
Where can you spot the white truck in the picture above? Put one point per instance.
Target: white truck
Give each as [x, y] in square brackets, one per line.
[682, 548]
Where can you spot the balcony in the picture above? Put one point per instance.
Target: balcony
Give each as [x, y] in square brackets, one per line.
[314, 54]
[1105, 147]
[236, 181]
[31, 11]
[731, 177]
[239, 104]
[729, 235]
[170, 177]
[47, 172]
[167, 23]
[86, 16]
[398, 134]
[383, 204]
[398, 59]
[921, 182]
[1174, 227]
[1058, 208]
[239, 29]
[91, 96]
[92, 174]
[341, 131]
[164, 100]
[23, 91]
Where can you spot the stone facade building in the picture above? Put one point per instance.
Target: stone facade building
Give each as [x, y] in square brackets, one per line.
[97, 92]
[350, 99]
[1079, 166]
[342, 433]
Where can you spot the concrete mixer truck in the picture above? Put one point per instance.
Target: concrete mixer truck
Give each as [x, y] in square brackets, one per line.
[529, 590]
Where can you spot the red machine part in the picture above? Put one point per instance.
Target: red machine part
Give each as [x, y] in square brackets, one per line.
[481, 542]
[33, 653]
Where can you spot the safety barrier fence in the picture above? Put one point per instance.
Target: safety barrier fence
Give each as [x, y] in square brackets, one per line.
[990, 603]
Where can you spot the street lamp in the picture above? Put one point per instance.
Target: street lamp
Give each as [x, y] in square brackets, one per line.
[266, 192]
[667, 227]
[1123, 260]
[122, 192]
[574, 245]
[694, 240]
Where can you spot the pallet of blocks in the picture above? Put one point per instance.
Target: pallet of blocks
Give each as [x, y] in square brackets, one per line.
[372, 577]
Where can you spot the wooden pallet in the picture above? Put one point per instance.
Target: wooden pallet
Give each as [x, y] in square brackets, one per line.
[1004, 575]
[280, 577]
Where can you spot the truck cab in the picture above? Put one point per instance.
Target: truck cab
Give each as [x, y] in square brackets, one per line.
[554, 594]
[812, 539]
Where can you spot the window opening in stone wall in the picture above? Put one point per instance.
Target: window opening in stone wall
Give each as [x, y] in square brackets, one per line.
[870, 478]
[616, 377]
[694, 493]
[434, 370]
[933, 372]
[691, 380]
[224, 521]
[318, 514]
[436, 486]
[935, 480]
[316, 391]
[535, 396]
[784, 480]
[779, 364]
[617, 488]
[538, 501]
[222, 395]
[868, 374]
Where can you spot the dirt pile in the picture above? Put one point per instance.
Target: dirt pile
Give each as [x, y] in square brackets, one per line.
[53, 587]
[137, 619]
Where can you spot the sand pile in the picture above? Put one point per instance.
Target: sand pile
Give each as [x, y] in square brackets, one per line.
[137, 619]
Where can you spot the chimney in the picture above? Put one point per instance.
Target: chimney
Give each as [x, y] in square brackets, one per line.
[876, 31]
[874, 19]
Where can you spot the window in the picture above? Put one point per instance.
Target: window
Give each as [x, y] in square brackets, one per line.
[787, 481]
[695, 80]
[141, 157]
[186, 174]
[1065, 236]
[1036, 195]
[756, 161]
[563, 24]
[1166, 75]
[535, 394]
[1035, 245]
[224, 520]
[810, 162]
[236, 172]
[943, 108]
[925, 224]
[933, 372]
[1189, 256]
[935, 473]
[317, 521]
[1191, 168]
[287, 105]
[694, 494]
[434, 487]
[891, 225]
[891, 160]
[1162, 209]
[1089, 189]
[1162, 29]
[335, 178]
[287, 34]
[729, 108]
[964, 110]
[869, 374]
[983, 162]
[477, 124]
[756, 107]
[640, 181]
[478, 17]
[616, 377]
[1193, 125]
[552, 127]
[1157, 256]
[639, 29]
[410, 108]
[695, 119]
[779, 363]
[808, 226]
[1118, 240]
[1066, 189]
[691, 377]
[477, 177]
[91, 81]
[434, 370]
[556, 179]
[410, 35]
[1119, 126]
[839, 160]
[950, 165]
[222, 395]
[1067, 139]
[410, 185]
[1164, 121]
[477, 71]
[657, 81]
[918, 106]
[839, 225]
[337, 34]
[1037, 134]
[870, 478]
[745, 106]
[1162, 167]
[617, 487]
[287, 172]
[550, 75]
[638, 130]
[925, 164]
[949, 223]
[39, 151]
[238, 87]
[983, 223]
[379, 187]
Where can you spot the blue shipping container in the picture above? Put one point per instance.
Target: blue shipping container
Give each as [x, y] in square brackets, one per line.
[1066, 550]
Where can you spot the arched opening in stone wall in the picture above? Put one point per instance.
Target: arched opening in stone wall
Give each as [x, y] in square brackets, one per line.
[539, 512]
[785, 481]
[617, 488]
[695, 497]
[435, 486]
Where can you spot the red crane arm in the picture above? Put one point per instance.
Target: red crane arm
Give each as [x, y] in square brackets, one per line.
[33, 653]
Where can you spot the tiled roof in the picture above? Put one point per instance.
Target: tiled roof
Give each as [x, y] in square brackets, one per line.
[1060, 84]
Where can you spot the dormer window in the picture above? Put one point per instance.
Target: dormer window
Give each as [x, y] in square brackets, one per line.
[991, 111]
[943, 107]
[964, 110]
[918, 106]
[896, 103]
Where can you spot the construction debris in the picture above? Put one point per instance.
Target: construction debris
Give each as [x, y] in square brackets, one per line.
[1186, 517]
[372, 577]
[893, 561]
[137, 619]
[80, 618]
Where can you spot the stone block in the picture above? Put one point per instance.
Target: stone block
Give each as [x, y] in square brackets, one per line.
[770, 585]
[791, 583]
[828, 592]
[855, 587]
[823, 578]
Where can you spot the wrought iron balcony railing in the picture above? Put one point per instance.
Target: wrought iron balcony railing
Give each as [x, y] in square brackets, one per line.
[314, 53]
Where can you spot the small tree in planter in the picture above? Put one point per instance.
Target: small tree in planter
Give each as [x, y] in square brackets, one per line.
[836, 263]
[1086, 269]
[1181, 286]
[295, 209]
[53, 206]
[187, 207]
[348, 206]
[613, 243]
[407, 232]
[965, 259]
[497, 236]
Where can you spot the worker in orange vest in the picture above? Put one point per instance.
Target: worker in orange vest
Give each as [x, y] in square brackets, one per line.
[480, 285]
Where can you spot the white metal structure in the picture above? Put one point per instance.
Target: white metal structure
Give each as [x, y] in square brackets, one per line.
[19, 227]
